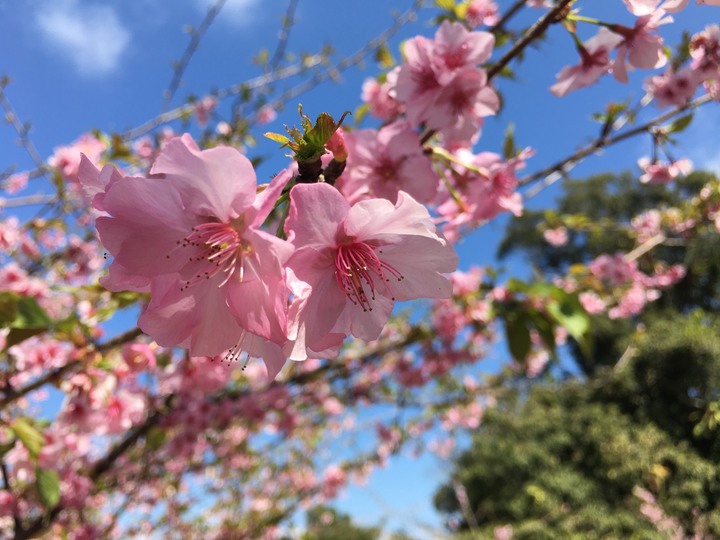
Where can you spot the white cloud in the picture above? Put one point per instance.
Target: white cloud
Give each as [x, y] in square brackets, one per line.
[700, 142]
[238, 12]
[92, 37]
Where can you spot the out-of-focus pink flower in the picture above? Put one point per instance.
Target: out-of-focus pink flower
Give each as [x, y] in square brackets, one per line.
[266, 114]
[503, 533]
[16, 182]
[441, 85]
[594, 62]
[645, 7]
[66, 159]
[659, 172]
[672, 88]
[337, 145]
[481, 195]
[705, 52]
[640, 47]
[382, 163]
[139, 357]
[591, 302]
[380, 96]
[352, 263]
[204, 108]
[334, 478]
[556, 237]
[614, 269]
[646, 225]
[7, 503]
[482, 12]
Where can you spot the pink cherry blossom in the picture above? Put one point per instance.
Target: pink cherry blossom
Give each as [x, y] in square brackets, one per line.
[352, 262]
[658, 172]
[380, 96]
[645, 7]
[66, 159]
[614, 269]
[266, 114]
[481, 196]
[673, 88]
[191, 232]
[591, 302]
[481, 12]
[204, 108]
[705, 52]
[382, 163]
[641, 47]
[441, 84]
[594, 62]
[139, 357]
[556, 237]
[16, 182]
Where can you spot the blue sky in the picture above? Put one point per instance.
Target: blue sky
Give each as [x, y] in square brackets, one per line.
[76, 65]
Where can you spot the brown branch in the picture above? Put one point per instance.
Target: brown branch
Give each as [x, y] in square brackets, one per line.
[532, 33]
[564, 165]
[509, 14]
[256, 82]
[105, 463]
[22, 130]
[283, 38]
[57, 373]
[195, 39]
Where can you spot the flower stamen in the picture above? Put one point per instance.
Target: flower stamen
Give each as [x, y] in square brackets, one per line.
[358, 266]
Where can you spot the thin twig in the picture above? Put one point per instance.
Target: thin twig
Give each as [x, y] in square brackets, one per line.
[334, 72]
[646, 246]
[528, 37]
[22, 130]
[256, 82]
[29, 200]
[551, 174]
[55, 374]
[283, 38]
[196, 37]
[509, 14]
[133, 436]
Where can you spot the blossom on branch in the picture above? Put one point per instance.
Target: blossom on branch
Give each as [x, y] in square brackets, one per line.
[191, 231]
[352, 262]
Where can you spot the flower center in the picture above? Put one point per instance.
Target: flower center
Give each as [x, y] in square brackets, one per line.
[217, 247]
[357, 267]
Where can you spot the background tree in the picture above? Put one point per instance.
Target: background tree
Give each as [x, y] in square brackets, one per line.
[628, 447]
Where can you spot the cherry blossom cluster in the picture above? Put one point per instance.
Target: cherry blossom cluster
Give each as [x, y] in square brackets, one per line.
[151, 425]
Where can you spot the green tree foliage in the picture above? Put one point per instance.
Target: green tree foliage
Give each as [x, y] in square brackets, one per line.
[325, 523]
[631, 448]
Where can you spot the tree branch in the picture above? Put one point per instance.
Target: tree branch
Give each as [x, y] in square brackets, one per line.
[196, 38]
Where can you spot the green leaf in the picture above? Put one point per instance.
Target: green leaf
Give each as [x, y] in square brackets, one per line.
[445, 4]
[680, 124]
[518, 334]
[155, 437]
[570, 314]
[23, 316]
[29, 436]
[545, 329]
[47, 483]
[321, 132]
[277, 137]
[384, 57]
[509, 149]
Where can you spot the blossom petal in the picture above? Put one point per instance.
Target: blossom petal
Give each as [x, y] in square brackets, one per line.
[315, 211]
[148, 221]
[218, 182]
